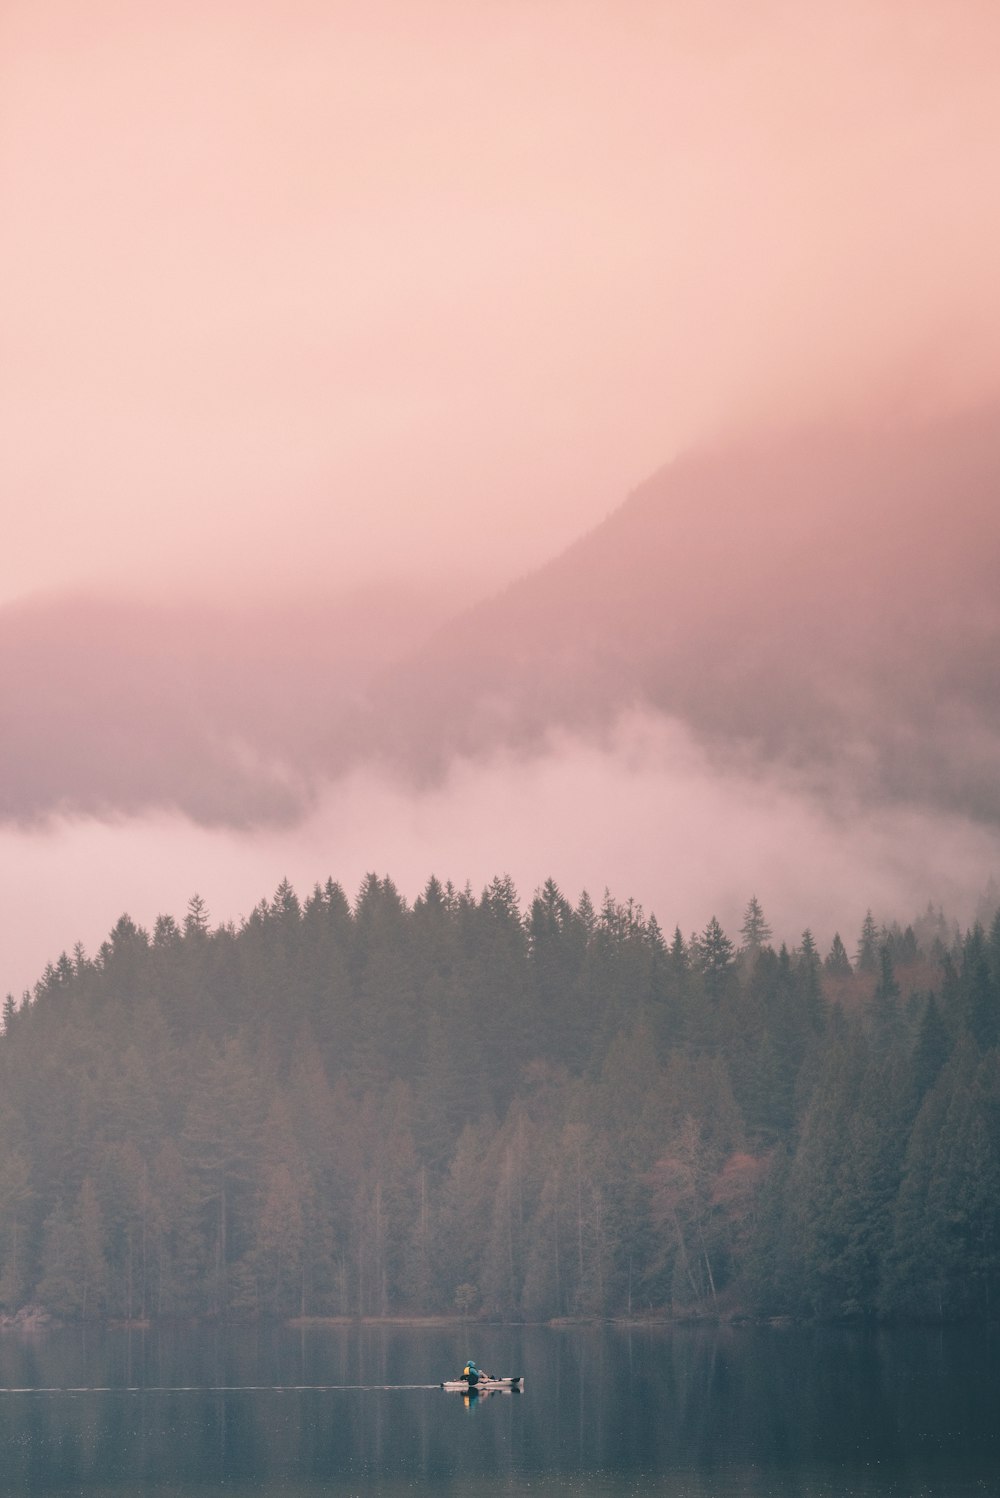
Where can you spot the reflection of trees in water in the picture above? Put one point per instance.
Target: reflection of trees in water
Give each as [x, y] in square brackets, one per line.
[686, 1409]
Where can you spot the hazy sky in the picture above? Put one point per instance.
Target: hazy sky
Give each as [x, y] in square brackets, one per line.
[300, 296]
[296, 291]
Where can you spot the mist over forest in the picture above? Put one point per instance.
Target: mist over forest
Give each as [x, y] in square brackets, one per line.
[334, 338]
[465, 1105]
[782, 641]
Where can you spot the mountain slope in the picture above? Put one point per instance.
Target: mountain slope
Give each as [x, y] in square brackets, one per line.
[827, 600]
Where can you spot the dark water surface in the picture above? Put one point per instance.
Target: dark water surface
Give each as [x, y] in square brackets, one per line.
[685, 1412]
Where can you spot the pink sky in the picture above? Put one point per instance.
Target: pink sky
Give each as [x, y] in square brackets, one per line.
[300, 296]
[294, 292]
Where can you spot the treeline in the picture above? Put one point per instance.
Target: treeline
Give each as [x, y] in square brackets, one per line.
[376, 1108]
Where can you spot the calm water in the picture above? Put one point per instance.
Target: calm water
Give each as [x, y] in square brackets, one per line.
[689, 1413]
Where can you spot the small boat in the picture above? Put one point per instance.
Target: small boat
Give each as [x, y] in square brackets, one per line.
[485, 1385]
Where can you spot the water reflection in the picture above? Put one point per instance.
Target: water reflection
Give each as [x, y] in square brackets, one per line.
[686, 1412]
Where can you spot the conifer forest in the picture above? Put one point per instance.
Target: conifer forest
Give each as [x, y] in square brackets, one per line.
[469, 1106]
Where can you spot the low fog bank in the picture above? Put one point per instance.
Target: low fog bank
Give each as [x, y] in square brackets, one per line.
[646, 814]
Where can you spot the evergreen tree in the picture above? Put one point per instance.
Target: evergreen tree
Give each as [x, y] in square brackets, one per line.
[868, 945]
[980, 991]
[885, 1004]
[914, 1279]
[196, 922]
[931, 1050]
[755, 930]
[221, 1130]
[378, 1108]
[16, 1194]
[678, 954]
[60, 1284]
[809, 971]
[837, 961]
[715, 959]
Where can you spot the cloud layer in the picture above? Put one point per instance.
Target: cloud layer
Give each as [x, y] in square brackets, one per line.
[646, 814]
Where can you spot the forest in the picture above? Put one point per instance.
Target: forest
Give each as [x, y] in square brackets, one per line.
[463, 1106]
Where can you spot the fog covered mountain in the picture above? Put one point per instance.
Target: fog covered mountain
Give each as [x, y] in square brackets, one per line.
[827, 601]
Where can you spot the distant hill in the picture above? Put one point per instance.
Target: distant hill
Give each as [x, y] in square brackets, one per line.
[825, 602]
[828, 600]
[224, 713]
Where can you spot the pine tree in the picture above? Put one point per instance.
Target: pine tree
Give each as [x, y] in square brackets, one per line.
[885, 1003]
[678, 953]
[16, 1195]
[280, 1239]
[61, 1279]
[980, 991]
[837, 962]
[221, 1130]
[868, 945]
[930, 1051]
[809, 970]
[196, 922]
[89, 1224]
[715, 959]
[755, 930]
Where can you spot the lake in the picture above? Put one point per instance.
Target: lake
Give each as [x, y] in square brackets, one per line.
[689, 1412]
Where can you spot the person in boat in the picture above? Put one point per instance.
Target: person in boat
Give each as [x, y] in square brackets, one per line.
[471, 1374]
